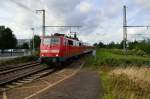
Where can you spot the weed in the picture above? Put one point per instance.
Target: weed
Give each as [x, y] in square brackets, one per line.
[122, 76]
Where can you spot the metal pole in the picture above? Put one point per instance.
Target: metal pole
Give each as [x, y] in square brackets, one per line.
[33, 39]
[124, 30]
[43, 22]
[125, 26]
[43, 25]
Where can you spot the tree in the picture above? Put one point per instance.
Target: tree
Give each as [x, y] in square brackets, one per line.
[7, 38]
[95, 44]
[37, 42]
[111, 45]
[101, 45]
[25, 46]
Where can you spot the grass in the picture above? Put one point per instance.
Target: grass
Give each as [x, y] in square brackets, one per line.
[122, 76]
[108, 57]
[131, 82]
[106, 83]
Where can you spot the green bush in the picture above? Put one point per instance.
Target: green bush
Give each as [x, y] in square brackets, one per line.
[117, 58]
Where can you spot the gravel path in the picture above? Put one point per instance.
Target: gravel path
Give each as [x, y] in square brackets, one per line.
[84, 85]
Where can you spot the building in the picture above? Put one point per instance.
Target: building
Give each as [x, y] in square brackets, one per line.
[22, 41]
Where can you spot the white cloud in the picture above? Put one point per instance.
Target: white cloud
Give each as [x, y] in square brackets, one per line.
[85, 7]
[143, 3]
[101, 20]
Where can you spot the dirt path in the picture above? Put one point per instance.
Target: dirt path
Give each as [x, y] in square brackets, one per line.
[84, 85]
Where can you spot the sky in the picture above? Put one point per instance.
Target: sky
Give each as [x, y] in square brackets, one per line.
[100, 20]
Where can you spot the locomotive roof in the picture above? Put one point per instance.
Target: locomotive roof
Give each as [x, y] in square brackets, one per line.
[62, 37]
[66, 37]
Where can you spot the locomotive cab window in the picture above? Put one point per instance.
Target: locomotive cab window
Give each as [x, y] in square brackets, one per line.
[55, 40]
[70, 42]
[51, 41]
[46, 41]
[80, 44]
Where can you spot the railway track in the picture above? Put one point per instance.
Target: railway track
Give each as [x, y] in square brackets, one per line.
[19, 72]
[7, 67]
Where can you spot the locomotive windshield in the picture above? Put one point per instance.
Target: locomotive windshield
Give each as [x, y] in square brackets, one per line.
[51, 41]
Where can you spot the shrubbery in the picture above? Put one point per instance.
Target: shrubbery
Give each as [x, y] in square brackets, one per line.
[142, 46]
[123, 76]
[115, 57]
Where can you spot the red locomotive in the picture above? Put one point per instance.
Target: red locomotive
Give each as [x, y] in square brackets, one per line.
[59, 48]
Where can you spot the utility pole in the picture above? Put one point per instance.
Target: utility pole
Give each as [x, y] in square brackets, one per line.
[125, 26]
[33, 39]
[124, 30]
[43, 26]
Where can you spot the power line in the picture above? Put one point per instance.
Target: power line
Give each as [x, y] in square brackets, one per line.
[64, 26]
[138, 26]
[45, 26]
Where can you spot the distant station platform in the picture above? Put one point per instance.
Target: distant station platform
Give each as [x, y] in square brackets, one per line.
[14, 55]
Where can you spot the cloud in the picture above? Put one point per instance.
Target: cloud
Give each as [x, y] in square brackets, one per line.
[85, 13]
[143, 3]
[21, 4]
[85, 7]
[101, 20]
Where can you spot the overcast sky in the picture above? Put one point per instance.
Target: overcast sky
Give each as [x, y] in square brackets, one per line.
[101, 20]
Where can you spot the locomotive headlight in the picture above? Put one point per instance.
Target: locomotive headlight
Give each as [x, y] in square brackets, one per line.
[56, 54]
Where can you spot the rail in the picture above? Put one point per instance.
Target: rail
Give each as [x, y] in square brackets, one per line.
[20, 72]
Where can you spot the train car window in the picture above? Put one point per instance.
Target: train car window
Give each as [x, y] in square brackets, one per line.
[80, 44]
[76, 43]
[46, 41]
[70, 42]
[53, 41]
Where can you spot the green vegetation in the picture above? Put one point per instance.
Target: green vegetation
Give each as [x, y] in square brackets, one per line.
[37, 42]
[7, 38]
[115, 57]
[143, 45]
[26, 45]
[122, 76]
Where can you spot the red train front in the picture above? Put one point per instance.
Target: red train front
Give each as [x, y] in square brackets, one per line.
[59, 48]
